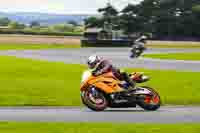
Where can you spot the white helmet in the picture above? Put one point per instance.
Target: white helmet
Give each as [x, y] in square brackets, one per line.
[143, 37]
[93, 61]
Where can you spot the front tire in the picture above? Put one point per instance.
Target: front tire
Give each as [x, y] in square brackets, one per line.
[150, 102]
[95, 103]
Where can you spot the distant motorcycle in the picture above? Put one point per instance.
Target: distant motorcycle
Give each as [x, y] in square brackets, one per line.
[138, 47]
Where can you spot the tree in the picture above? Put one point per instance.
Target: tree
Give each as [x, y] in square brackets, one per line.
[72, 22]
[169, 17]
[160, 17]
[16, 25]
[92, 22]
[180, 19]
[63, 28]
[34, 24]
[129, 20]
[196, 8]
[79, 29]
[4, 21]
[110, 16]
[108, 11]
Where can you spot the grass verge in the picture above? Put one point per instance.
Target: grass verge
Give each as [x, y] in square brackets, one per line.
[175, 56]
[13, 46]
[36, 46]
[11, 127]
[173, 44]
[26, 82]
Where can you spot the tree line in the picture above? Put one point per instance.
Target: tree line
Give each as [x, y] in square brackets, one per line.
[161, 18]
[7, 25]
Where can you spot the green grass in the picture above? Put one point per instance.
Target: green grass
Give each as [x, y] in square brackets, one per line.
[28, 82]
[179, 88]
[172, 46]
[11, 127]
[14, 46]
[38, 32]
[40, 83]
[175, 56]
[36, 46]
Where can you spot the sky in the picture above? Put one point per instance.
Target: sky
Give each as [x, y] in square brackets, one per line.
[60, 6]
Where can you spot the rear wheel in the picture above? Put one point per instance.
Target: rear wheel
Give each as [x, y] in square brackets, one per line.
[94, 99]
[150, 101]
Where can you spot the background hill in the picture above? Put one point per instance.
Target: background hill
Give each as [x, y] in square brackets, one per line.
[44, 18]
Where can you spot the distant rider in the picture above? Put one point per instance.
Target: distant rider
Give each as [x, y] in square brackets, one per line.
[138, 46]
[100, 66]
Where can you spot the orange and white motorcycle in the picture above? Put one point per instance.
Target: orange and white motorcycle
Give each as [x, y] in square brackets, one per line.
[105, 90]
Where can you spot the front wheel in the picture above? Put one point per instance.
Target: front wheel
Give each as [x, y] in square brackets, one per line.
[150, 101]
[94, 99]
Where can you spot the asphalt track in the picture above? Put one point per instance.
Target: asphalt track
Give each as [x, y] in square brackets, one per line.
[135, 115]
[119, 56]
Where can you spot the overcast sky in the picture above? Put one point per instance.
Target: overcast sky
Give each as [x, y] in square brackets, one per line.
[59, 6]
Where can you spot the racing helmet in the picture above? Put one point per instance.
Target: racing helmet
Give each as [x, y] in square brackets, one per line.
[93, 61]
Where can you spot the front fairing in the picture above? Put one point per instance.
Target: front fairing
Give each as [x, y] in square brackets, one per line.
[105, 82]
[85, 77]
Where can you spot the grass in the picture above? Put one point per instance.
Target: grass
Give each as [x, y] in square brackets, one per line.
[36, 46]
[173, 44]
[31, 83]
[26, 82]
[23, 46]
[178, 88]
[64, 46]
[30, 31]
[175, 56]
[11, 127]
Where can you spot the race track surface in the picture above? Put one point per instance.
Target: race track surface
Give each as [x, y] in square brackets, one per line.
[118, 56]
[134, 115]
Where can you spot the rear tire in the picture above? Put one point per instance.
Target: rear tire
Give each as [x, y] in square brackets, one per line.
[150, 102]
[93, 104]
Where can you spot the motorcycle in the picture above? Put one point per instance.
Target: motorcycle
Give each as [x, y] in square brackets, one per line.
[138, 47]
[103, 91]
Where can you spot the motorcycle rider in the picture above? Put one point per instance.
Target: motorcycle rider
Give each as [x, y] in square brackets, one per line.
[100, 66]
[142, 39]
[138, 46]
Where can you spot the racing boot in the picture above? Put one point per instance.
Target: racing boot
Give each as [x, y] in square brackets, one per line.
[126, 78]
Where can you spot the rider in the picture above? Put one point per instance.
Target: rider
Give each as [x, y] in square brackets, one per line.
[100, 66]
